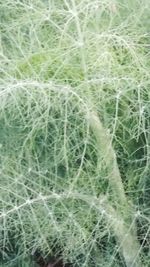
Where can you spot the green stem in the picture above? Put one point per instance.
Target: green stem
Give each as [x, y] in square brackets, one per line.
[125, 236]
[104, 147]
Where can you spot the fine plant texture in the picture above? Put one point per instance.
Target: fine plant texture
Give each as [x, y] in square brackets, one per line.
[75, 133]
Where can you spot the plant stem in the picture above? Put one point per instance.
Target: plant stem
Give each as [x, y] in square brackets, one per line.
[122, 222]
[104, 147]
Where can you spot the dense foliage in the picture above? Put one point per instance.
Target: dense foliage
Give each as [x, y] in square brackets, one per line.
[75, 132]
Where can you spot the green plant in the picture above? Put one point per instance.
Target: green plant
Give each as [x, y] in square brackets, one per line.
[74, 132]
